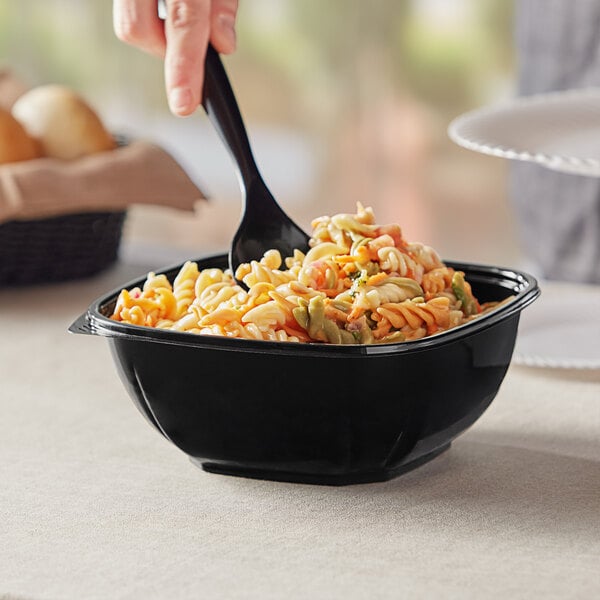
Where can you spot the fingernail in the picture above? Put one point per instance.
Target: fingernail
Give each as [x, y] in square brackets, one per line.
[180, 99]
[227, 28]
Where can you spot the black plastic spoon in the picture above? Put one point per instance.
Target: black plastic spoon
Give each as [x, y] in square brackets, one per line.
[264, 225]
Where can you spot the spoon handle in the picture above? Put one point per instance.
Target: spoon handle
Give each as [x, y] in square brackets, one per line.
[222, 109]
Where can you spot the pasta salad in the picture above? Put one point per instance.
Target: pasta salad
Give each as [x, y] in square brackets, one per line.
[359, 283]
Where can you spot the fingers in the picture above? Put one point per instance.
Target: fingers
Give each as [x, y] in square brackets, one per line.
[181, 39]
[137, 23]
[222, 29]
[187, 30]
[189, 26]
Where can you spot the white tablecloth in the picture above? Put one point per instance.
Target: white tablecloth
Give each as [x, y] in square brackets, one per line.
[94, 504]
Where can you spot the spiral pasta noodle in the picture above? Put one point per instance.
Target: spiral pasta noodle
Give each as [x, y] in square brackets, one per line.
[359, 283]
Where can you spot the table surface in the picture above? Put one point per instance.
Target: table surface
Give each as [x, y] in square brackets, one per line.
[95, 504]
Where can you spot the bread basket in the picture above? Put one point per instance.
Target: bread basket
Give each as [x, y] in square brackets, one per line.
[60, 247]
[62, 210]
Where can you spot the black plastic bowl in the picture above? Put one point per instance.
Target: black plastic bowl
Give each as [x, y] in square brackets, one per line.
[316, 413]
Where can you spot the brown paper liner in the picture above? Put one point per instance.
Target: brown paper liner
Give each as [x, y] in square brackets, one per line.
[138, 173]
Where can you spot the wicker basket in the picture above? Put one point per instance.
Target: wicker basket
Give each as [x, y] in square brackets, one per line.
[60, 248]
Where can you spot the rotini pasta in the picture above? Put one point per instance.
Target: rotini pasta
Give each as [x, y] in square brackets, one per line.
[359, 283]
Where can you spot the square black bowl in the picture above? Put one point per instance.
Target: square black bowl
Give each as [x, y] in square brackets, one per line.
[316, 413]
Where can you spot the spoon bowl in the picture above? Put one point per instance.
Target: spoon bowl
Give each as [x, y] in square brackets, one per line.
[263, 225]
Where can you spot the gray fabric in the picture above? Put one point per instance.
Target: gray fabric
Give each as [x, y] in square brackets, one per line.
[558, 46]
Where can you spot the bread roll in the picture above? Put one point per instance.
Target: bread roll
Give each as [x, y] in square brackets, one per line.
[63, 122]
[15, 143]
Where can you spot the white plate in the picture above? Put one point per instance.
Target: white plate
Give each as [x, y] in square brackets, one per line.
[560, 130]
[561, 329]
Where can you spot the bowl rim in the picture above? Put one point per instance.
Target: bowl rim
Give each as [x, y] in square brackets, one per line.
[523, 285]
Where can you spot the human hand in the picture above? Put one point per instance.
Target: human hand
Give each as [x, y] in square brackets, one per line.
[180, 39]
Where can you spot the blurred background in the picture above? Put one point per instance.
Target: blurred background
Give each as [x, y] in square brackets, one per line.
[344, 101]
